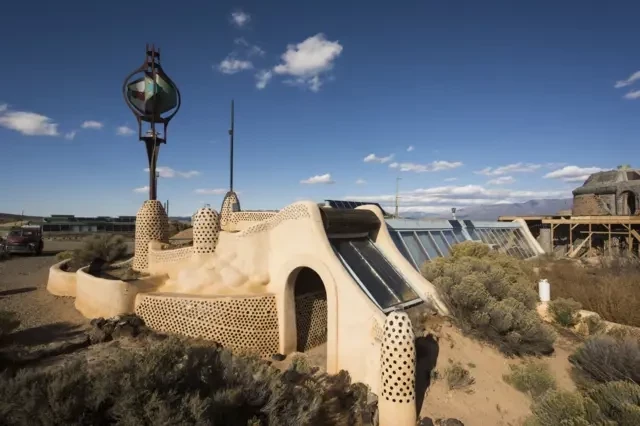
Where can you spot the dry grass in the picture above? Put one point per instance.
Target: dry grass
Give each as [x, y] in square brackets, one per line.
[458, 377]
[565, 312]
[612, 289]
[108, 247]
[604, 358]
[531, 378]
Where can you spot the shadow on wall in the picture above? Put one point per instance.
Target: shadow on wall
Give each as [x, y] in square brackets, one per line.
[427, 350]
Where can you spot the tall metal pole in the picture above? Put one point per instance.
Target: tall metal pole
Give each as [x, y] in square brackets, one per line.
[231, 131]
[397, 194]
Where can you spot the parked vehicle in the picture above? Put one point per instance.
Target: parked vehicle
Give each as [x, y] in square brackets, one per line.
[26, 239]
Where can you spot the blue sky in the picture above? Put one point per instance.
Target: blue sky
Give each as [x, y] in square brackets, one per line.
[468, 102]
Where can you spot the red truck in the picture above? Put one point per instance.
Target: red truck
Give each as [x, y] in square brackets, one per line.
[26, 239]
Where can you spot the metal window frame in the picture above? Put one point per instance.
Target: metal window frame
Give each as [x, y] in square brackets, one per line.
[355, 277]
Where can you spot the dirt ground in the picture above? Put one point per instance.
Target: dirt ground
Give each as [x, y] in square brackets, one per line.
[43, 317]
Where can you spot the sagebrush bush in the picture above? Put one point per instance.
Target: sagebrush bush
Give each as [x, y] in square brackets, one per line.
[107, 247]
[64, 255]
[458, 377]
[606, 404]
[491, 295]
[612, 289]
[531, 378]
[8, 322]
[604, 358]
[176, 382]
[565, 312]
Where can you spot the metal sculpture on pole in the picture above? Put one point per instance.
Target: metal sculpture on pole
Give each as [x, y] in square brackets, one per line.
[149, 97]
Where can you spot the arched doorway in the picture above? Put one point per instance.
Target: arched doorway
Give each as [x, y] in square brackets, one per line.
[628, 203]
[311, 313]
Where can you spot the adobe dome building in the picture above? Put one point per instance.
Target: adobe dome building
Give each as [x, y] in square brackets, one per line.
[609, 193]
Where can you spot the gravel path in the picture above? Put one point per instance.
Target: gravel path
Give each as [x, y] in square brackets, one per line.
[43, 317]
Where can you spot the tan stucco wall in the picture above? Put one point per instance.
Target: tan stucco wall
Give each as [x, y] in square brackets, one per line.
[529, 237]
[61, 283]
[98, 297]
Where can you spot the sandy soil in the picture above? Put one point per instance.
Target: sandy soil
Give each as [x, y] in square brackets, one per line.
[490, 401]
[44, 318]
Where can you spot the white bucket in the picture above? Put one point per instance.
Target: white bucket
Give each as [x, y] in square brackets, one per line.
[544, 290]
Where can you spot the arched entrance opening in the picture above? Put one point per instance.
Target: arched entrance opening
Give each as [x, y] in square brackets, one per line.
[628, 203]
[311, 315]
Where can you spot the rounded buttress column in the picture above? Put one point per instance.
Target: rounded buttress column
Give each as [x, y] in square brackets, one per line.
[230, 204]
[152, 223]
[206, 230]
[397, 403]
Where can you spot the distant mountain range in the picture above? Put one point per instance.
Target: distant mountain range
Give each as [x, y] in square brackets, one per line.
[492, 212]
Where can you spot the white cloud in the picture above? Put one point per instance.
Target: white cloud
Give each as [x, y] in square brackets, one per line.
[441, 199]
[360, 182]
[573, 173]
[434, 166]
[635, 94]
[502, 180]
[216, 191]
[124, 131]
[308, 60]
[231, 65]
[623, 83]
[142, 189]
[69, 136]
[91, 124]
[451, 179]
[168, 172]
[372, 158]
[27, 123]
[325, 179]
[262, 78]
[411, 148]
[240, 18]
[252, 50]
[509, 168]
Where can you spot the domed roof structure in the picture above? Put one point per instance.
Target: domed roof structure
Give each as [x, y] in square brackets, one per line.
[609, 193]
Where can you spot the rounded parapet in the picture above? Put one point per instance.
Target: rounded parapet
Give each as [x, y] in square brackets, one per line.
[206, 230]
[397, 403]
[230, 204]
[61, 282]
[152, 223]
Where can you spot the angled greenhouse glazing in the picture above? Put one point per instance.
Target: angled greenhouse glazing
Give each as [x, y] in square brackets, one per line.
[422, 240]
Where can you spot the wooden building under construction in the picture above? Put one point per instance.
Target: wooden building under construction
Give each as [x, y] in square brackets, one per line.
[605, 218]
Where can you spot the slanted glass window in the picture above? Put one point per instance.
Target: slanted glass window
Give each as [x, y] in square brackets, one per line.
[448, 235]
[459, 235]
[473, 234]
[428, 244]
[395, 236]
[440, 242]
[378, 278]
[418, 255]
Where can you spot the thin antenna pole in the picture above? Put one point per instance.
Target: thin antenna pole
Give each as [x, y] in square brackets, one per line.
[231, 131]
[397, 193]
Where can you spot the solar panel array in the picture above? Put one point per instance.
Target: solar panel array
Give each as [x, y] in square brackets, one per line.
[342, 204]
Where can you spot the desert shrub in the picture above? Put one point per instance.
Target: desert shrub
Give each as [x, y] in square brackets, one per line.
[63, 255]
[565, 312]
[618, 402]
[469, 248]
[607, 404]
[604, 358]
[176, 381]
[458, 377]
[594, 324]
[612, 289]
[8, 322]
[492, 297]
[107, 247]
[534, 379]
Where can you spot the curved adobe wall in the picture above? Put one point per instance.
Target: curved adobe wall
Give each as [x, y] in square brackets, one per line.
[242, 322]
[61, 283]
[98, 297]
[230, 204]
[526, 232]
[151, 224]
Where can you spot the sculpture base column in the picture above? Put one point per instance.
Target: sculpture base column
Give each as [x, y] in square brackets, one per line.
[152, 223]
[397, 402]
